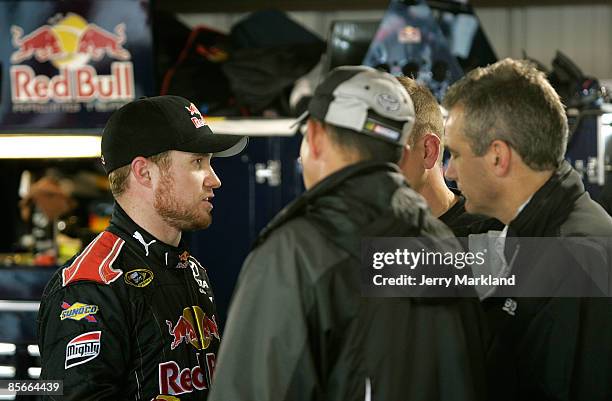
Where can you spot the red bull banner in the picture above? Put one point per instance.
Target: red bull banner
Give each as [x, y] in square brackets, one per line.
[68, 65]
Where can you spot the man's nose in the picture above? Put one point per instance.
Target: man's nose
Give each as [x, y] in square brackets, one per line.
[212, 180]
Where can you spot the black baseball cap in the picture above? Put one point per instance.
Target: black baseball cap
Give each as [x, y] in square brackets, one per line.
[152, 125]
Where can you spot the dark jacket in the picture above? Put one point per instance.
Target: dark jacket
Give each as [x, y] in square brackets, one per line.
[299, 329]
[128, 319]
[553, 348]
[463, 223]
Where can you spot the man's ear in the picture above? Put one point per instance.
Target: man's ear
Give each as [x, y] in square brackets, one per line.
[142, 171]
[315, 136]
[499, 157]
[431, 146]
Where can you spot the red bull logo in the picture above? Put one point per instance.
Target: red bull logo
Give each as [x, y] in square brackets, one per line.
[184, 257]
[70, 44]
[210, 330]
[97, 42]
[197, 121]
[194, 328]
[183, 260]
[174, 381]
[183, 330]
[43, 44]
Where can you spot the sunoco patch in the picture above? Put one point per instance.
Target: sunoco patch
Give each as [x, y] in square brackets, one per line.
[78, 311]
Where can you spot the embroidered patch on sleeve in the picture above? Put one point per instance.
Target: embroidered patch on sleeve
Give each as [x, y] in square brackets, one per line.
[78, 311]
[83, 348]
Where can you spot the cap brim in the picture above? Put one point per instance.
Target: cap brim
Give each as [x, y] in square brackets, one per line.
[237, 147]
[220, 145]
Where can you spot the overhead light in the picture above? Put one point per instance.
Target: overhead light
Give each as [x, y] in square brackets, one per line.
[49, 146]
[34, 373]
[252, 126]
[7, 371]
[19, 306]
[33, 350]
[7, 349]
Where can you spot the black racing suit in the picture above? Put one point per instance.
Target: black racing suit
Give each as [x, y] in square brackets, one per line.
[129, 318]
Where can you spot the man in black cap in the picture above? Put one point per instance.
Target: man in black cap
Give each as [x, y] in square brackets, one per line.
[133, 315]
[298, 326]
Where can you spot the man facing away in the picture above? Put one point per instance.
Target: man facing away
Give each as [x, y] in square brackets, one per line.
[298, 326]
[133, 315]
[422, 166]
[507, 135]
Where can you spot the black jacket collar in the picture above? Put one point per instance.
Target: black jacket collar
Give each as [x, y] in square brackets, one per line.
[346, 184]
[150, 247]
[550, 205]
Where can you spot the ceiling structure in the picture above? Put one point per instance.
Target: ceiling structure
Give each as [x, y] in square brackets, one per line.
[231, 6]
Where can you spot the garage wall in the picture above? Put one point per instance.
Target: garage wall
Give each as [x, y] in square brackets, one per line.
[584, 33]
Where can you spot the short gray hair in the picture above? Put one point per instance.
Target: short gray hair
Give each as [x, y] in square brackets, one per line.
[512, 101]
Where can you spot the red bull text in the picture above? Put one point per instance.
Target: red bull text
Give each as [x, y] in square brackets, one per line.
[70, 44]
[174, 381]
[82, 84]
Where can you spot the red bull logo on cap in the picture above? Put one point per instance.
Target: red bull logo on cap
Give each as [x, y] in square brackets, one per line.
[70, 44]
[193, 111]
[194, 328]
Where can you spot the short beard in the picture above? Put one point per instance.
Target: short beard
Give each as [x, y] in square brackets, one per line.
[172, 212]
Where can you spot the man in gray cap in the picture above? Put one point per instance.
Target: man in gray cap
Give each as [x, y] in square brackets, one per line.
[298, 326]
[132, 317]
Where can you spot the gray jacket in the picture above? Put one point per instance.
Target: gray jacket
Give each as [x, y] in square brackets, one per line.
[299, 328]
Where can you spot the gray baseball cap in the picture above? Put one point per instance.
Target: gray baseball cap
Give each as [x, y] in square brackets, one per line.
[365, 100]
